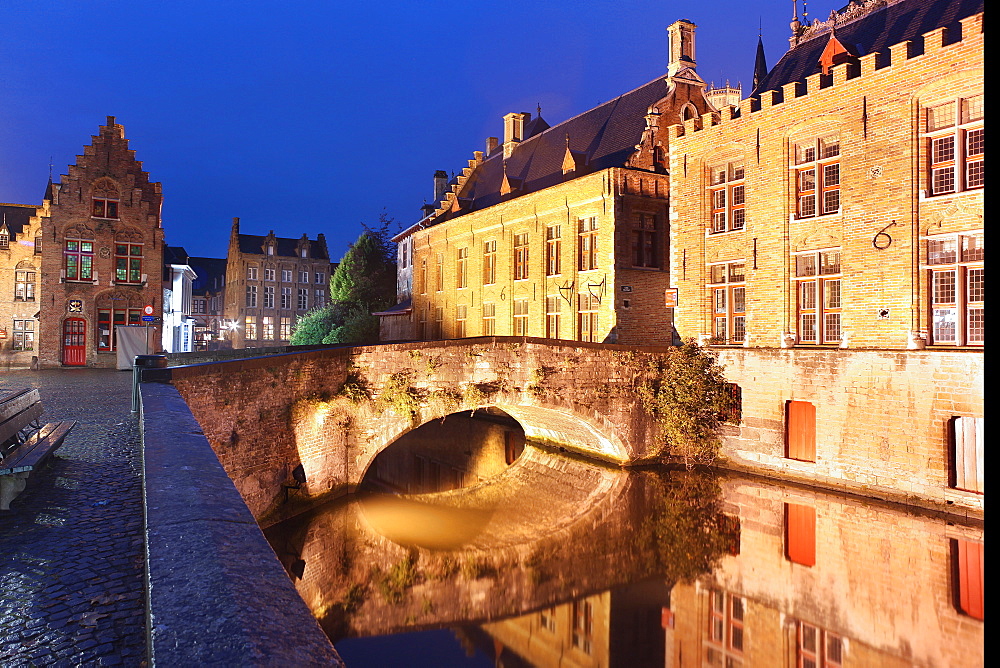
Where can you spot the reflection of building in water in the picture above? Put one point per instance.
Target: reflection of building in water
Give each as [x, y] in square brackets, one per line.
[619, 627]
[825, 581]
[427, 459]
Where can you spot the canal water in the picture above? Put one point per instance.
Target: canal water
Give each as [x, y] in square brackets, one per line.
[470, 547]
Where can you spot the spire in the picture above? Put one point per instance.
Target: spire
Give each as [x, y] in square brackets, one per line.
[759, 65]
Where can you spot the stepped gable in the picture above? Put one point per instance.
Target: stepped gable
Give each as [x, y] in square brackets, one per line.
[253, 244]
[17, 217]
[862, 33]
[607, 135]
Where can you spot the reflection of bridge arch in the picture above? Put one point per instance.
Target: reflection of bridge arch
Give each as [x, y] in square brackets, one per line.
[512, 565]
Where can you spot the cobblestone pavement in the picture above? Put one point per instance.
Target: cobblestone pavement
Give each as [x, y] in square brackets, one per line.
[71, 547]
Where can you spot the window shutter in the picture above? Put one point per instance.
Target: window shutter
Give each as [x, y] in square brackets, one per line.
[800, 534]
[967, 434]
[800, 437]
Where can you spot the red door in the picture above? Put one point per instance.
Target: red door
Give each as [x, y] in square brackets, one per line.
[74, 342]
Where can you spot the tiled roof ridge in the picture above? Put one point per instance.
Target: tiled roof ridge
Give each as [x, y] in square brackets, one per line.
[934, 40]
[851, 12]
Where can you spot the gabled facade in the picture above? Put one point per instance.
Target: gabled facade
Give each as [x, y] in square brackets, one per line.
[560, 231]
[102, 255]
[20, 288]
[178, 302]
[270, 283]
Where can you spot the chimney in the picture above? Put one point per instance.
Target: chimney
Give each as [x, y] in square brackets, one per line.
[491, 145]
[681, 38]
[513, 130]
[440, 184]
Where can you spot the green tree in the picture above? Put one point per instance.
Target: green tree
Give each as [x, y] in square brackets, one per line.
[364, 282]
[690, 398]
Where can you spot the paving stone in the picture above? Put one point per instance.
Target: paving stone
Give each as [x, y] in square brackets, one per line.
[73, 540]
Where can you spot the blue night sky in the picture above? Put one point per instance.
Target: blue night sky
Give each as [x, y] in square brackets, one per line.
[310, 116]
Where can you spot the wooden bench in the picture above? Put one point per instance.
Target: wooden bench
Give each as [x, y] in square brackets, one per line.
[25, 443]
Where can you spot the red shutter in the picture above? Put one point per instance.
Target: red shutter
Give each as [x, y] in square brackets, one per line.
[970, 578]
[800, 534]
[800, 423]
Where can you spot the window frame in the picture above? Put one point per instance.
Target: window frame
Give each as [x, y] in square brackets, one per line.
[727, 291]
[819, 298]
[80, 254]
[128, 264]
[815, 161]
[964, 263]
[553, 250]
[727, 197]
[25, 281]
[519, 308]
[949, 146]
[520, 249]
[587, 238]
[489, 262]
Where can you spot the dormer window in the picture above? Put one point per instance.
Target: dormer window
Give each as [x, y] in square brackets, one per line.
[304, 252]
[270, 249]
[4, 240]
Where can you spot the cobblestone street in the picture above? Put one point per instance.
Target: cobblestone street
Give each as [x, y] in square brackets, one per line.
[71, 547]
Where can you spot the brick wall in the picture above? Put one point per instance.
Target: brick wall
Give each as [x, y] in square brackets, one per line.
[881, 417]
[878, 114]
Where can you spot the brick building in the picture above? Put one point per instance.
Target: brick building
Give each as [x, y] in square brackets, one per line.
[827, 239]
[102, 254]
[20, 292]
[271, 282]
[560, 231]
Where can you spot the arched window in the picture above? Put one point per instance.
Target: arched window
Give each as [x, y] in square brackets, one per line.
[688, 111]
[105, 199]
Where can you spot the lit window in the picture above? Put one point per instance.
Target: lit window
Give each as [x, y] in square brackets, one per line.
[520, 317]
[461, 268]
[489, 319]
[285, 331]
[727, 194]
[24, 285]
[79, 260]
[818, 302]
[268, 327]
[489, 262]
[553, 314]
[461, 316]
[520, 256]
[128, 263]
[553, 250]
[24, 334]
[727, 286]
[587, 317]
[955, 146]
[250, 333]
[956, 286]
[108, 319]
[817, 177]
[587, 243]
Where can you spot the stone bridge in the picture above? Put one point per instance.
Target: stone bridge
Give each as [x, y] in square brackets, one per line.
[331, 411]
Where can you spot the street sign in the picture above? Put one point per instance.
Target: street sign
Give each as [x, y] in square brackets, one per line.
[147, 310]
[149, 318]
[670, 298]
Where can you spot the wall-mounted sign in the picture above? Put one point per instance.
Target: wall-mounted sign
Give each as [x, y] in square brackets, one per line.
[670, 298]
[147, 310]
[76, 306]
[148, 318]
[626, 288]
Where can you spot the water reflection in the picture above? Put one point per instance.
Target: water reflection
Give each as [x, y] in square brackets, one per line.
[558, 561]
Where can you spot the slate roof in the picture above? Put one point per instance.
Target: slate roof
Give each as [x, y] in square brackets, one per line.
[606, 134]
[207, 268]
[17, 217]
[874, 32]
[254, 244]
